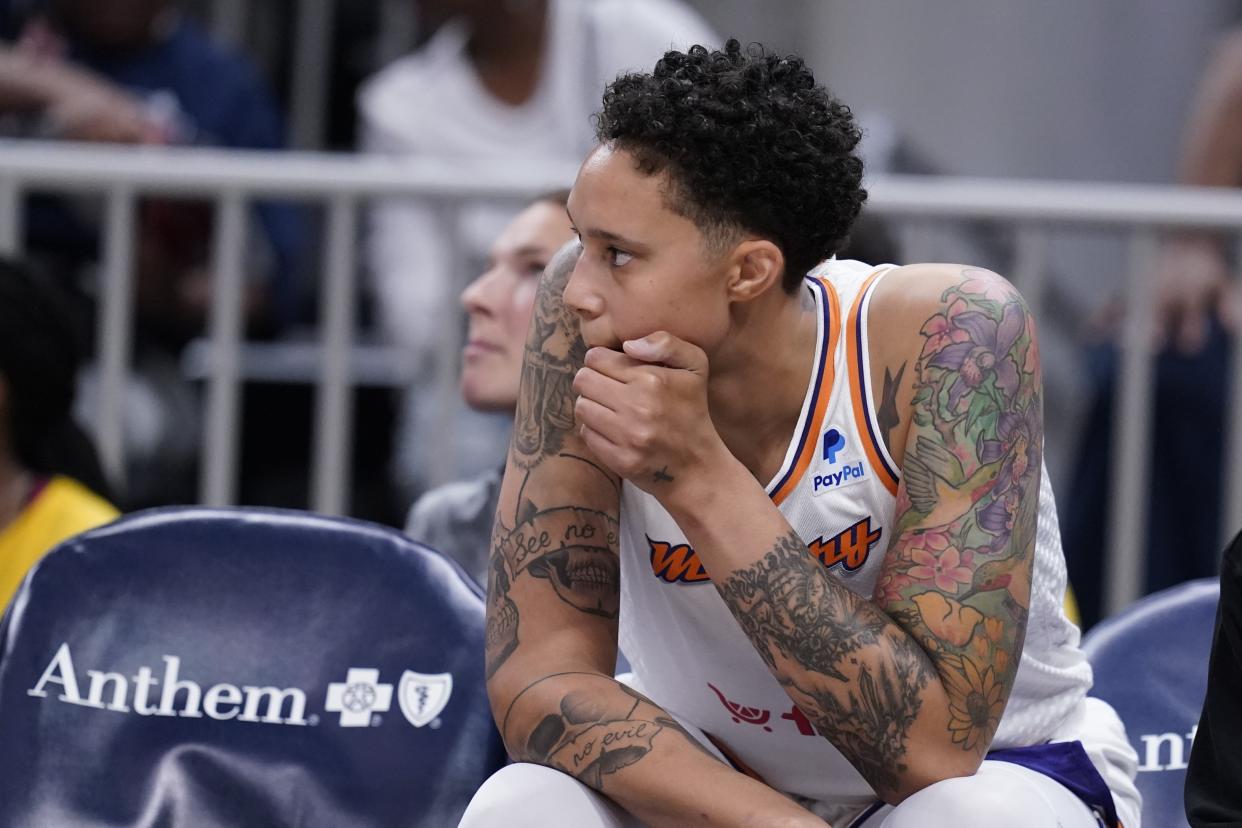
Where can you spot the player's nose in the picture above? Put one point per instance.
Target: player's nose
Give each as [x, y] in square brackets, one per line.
[580, 296]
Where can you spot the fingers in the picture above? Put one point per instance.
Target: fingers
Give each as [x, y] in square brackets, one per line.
[1193, 288]
[612, 456]
[613, 364]
[600, 387]
[662, 348]
[598, 418]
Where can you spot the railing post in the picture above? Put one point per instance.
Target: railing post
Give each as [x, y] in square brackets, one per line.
[448, 337]
[1030, 270]
[334, 397]
[218, 486]
[312, 56]
[1131, 442]
[10, 217]
[115, 330]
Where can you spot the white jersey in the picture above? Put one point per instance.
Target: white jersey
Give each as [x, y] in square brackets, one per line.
[837, 487]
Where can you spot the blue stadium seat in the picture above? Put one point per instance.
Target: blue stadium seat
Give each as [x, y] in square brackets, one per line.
[205, 667]
[1150, 664]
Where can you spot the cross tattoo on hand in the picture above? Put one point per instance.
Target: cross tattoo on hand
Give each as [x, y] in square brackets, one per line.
[662, 476]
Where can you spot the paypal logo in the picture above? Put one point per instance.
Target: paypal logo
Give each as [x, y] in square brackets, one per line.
[834, 443]
[849, 473]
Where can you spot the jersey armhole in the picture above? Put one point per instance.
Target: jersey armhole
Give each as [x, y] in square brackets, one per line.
[859, 360]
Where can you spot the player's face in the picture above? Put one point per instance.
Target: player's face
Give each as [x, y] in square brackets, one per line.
[643, 267]
[500, 301]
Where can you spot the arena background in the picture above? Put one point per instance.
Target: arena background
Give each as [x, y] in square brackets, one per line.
[1039, 139]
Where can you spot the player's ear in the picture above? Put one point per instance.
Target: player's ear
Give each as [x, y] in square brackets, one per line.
[757, 266]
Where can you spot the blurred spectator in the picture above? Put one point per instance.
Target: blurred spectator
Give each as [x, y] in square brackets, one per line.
[139, 72]
[1196, 291]
[51, 485]
[514, 81]
[1196, 309]
[456, 519]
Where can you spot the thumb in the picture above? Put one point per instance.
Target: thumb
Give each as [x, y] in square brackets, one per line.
[662, 348]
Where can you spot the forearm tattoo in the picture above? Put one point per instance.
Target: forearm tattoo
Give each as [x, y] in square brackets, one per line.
[599, 727]
[574, 549]
[554, 352]
[809, 629]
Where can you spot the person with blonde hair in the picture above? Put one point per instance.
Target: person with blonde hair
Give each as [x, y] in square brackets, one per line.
[456, 519]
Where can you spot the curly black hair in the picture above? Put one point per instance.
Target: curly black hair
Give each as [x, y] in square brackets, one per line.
[750, 143]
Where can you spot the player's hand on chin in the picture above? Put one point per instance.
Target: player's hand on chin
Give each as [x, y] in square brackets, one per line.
[643, 412]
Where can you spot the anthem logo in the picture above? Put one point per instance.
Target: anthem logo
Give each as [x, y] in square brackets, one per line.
[176, 696]
[359, 700]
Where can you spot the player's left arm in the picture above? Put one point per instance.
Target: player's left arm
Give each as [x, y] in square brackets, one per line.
[957, 572]
[910, 685]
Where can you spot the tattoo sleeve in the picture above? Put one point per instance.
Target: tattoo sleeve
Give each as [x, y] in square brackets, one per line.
[911, 684]
[552, 539]
[600, 727]
[554, 352]
[809, 630]
[958, 573]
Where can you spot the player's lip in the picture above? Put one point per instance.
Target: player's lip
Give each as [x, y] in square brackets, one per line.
[612, 344]
[478, 347]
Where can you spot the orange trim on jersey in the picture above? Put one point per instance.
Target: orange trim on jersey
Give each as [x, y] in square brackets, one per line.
[738, 764]
[858, 389]
[828, 370]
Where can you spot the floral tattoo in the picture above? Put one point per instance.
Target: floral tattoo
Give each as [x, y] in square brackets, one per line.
[958, 575]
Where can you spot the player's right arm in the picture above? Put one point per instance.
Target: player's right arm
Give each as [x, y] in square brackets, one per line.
[553, 601]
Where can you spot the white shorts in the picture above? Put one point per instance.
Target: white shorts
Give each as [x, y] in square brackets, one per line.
[999, 793]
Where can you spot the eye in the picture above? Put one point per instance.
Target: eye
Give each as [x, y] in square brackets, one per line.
[536, 269]
[618, 257]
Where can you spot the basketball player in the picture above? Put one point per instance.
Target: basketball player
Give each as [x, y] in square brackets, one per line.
[815, 503]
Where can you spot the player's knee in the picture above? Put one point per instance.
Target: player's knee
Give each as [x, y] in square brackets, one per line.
[509, 793]
[965, 801]
[524, 794]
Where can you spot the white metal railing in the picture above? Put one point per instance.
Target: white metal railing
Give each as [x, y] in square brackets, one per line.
[234, 179]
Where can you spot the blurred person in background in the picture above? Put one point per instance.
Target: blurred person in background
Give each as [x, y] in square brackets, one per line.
[503, 80]
[51, 484]
[1196, 323]
[140, 72]
[456, 519]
